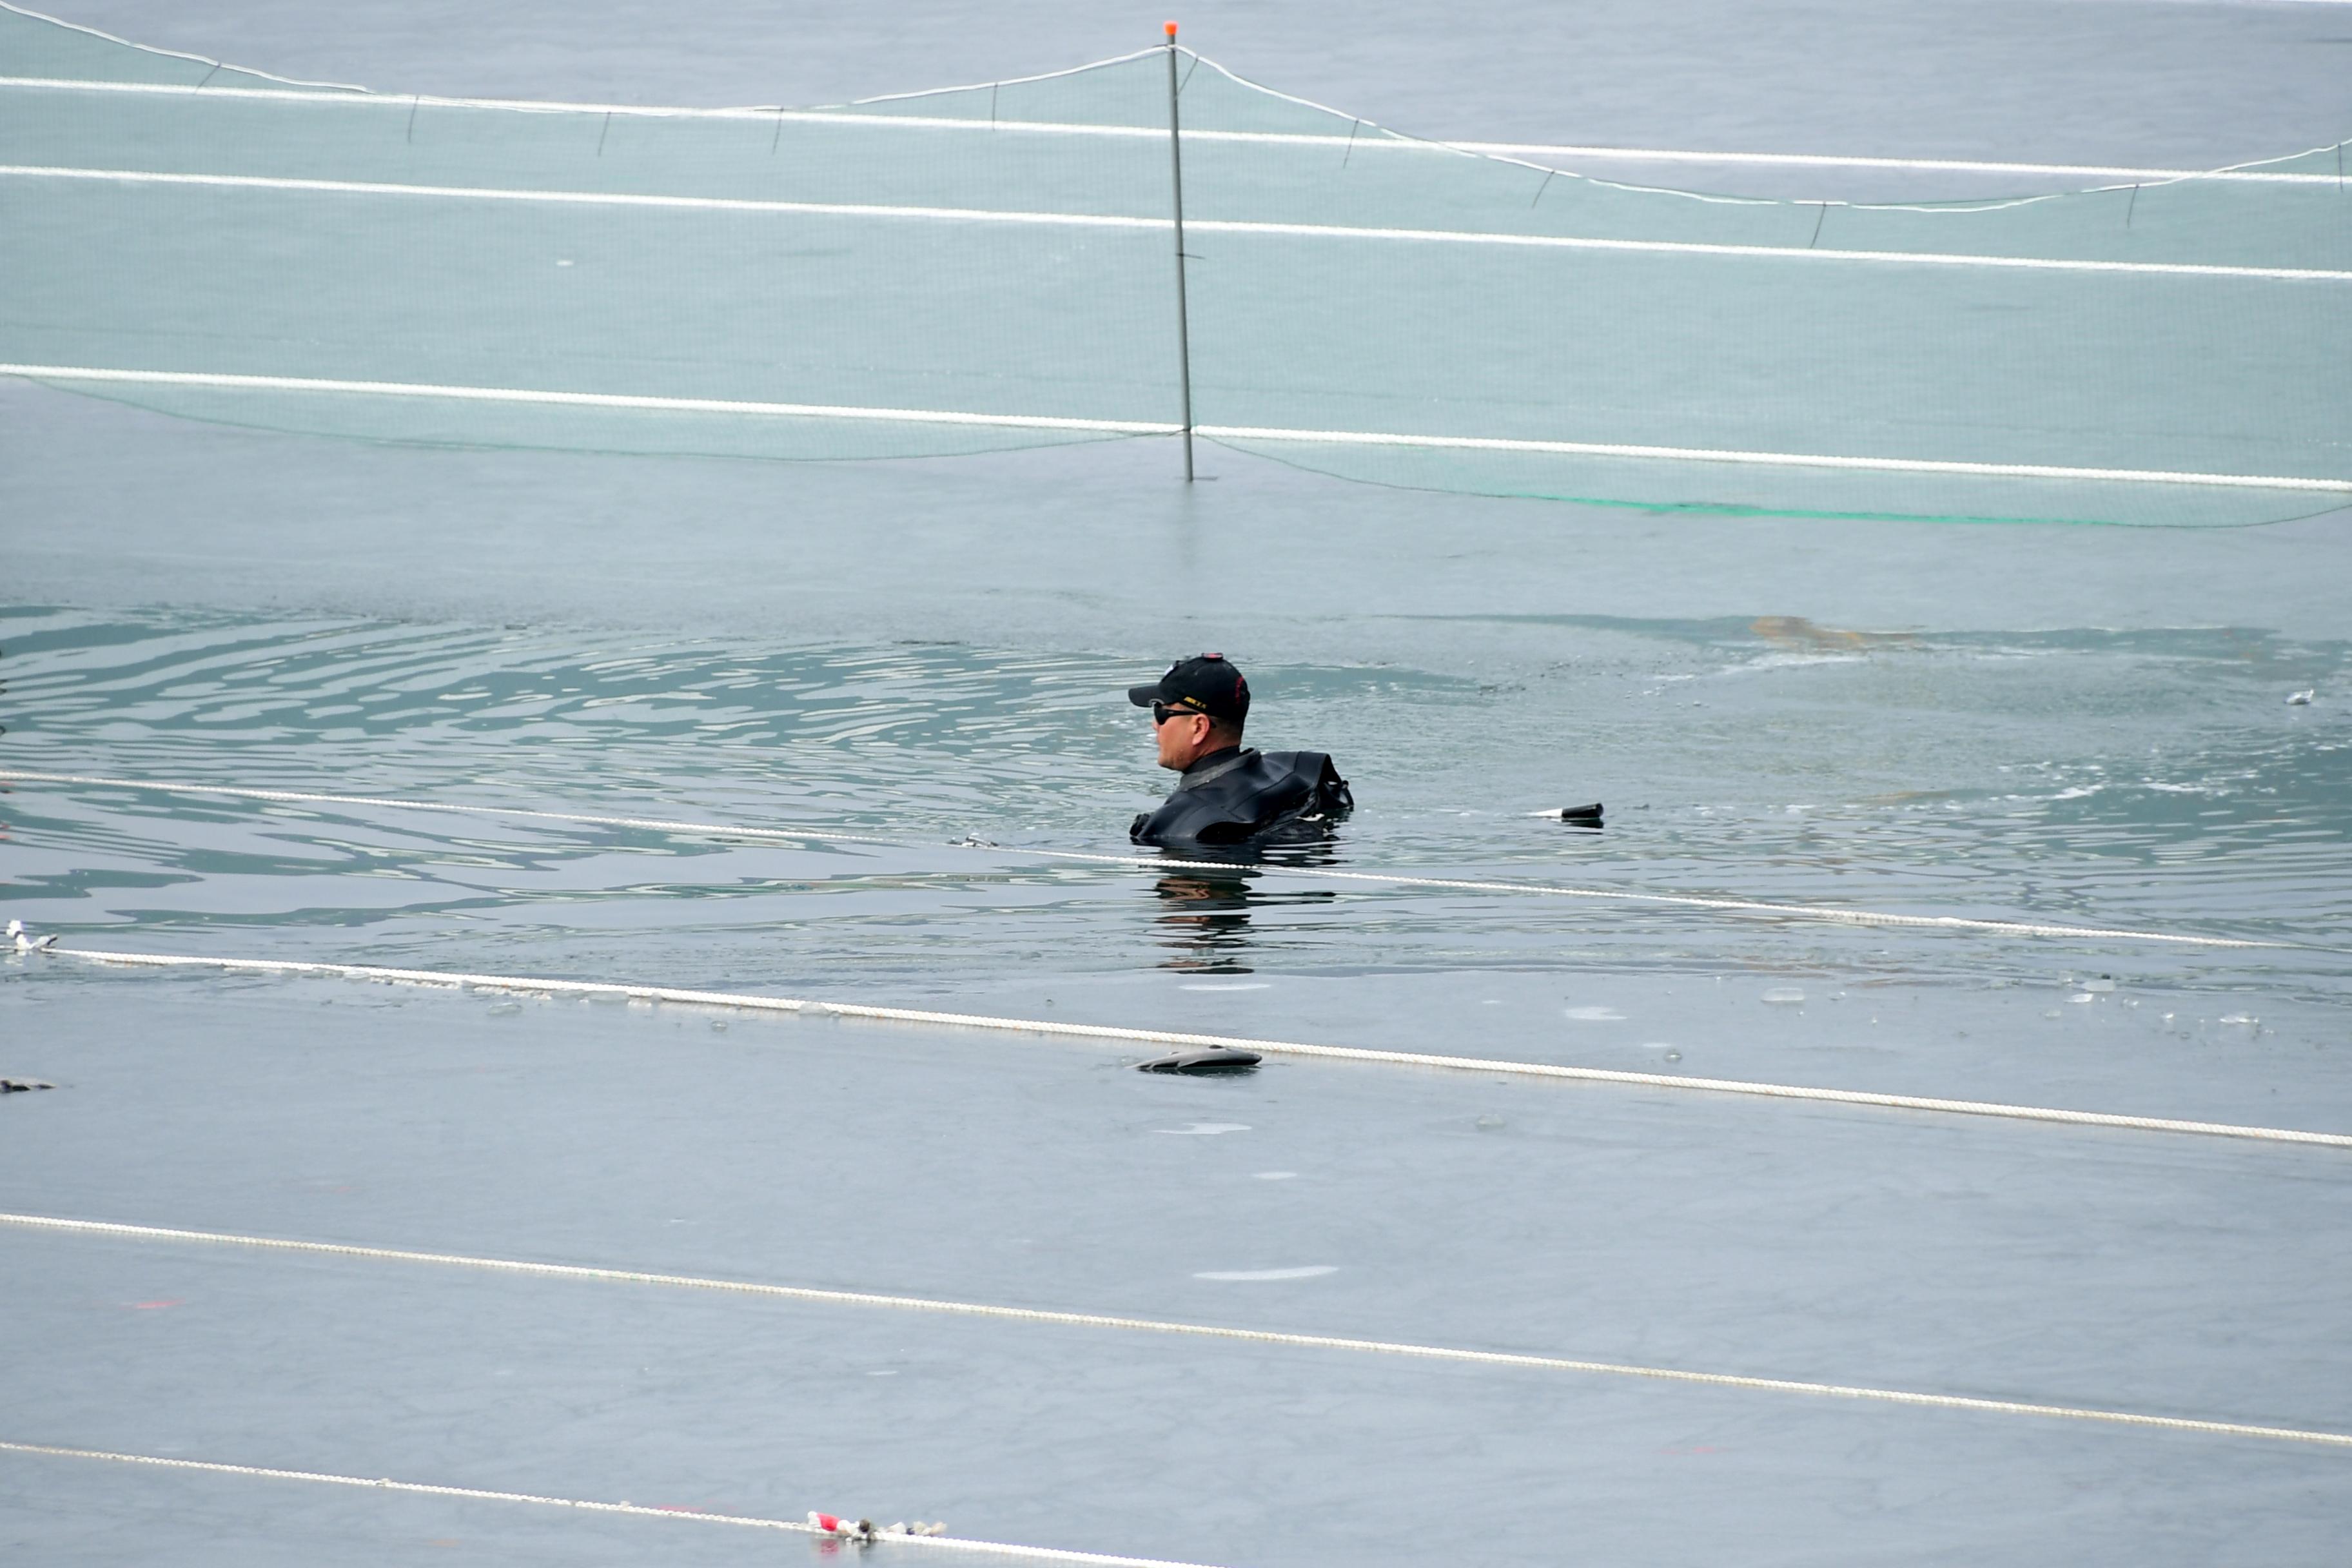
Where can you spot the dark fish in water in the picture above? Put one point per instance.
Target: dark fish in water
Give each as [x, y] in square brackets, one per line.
[1198, 1064]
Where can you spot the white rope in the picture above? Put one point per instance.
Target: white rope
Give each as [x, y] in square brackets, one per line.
[1691, 900]
[218, 381]
[1166, 1037]
[1774, 253]
[304, 797]
[1284, 230]
[768, 114]
[578, 399]
[1830, 914]
[586, 198]
[173, 54]
[1149, 52]
[1190, 1330]
[1787, 459]
[1515, 153]
[2247, 174]
[628, 1509]
[1381, 137]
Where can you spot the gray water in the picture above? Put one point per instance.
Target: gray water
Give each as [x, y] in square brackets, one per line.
[2079, 726]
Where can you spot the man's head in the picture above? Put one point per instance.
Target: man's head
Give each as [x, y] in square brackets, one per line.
[1198, 707]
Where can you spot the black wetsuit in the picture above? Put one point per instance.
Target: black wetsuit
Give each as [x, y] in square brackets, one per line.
[1235, 797]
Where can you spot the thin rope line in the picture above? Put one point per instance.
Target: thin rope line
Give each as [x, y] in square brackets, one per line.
[1165, 1038]
[846, 116]
[1214, 225]
[1773, 460]
[579, 198]
[1148, 862]
[304, 798]
[1509, 152]
[1388, 138]
[1691, 900]
[1733, 510]
[1506, 152]
[2252, 172]
[1191, 1331]
[1771, 252]
[628, 1509]
[578, 399]
[109, 375]
[175, 54]
[1947, 165]
[1148, 53]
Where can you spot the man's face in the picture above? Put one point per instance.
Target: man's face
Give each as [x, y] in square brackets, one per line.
[1181, 738]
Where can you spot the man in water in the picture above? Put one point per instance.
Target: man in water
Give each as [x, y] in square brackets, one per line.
[1229, 795]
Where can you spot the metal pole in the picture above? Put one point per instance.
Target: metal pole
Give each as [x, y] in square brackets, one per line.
[1184, 326]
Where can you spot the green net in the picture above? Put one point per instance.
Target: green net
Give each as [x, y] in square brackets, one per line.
[994, 266]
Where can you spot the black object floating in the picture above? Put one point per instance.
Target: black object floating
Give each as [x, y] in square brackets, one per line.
[27, 1085]
[1198, 1064]
[1582, 816]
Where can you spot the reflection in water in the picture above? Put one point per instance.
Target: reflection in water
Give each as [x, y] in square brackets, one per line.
[1207, 911]
[1206, 920]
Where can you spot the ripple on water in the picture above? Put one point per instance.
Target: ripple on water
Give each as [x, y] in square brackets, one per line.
[2115, 779]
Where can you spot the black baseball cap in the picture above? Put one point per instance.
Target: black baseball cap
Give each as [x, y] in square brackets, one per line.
[1204, 685]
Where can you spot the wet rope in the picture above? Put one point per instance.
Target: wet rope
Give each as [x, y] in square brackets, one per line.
[797, 834]
[1193, 1330]
[630, 1509]
[1164, 1038]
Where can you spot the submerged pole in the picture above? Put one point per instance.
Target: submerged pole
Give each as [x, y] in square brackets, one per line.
[1184, 326]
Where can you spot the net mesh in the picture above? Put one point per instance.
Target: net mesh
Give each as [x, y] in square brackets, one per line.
[993, 266]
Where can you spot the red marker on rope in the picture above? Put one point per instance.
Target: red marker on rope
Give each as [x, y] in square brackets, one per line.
[866, 1529]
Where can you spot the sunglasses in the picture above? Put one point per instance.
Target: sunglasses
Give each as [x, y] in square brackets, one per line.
[1162, 712]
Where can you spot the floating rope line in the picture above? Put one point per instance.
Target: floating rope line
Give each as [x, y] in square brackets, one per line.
[583, 1505]
[1311, 231]
[1516, 150]
[340, 89]
[608, 400]
[114, 375]
[512, 982]
[1689, 901]
[1190, 1330]
[1386, 140]
[1157, 863]
[300, 797]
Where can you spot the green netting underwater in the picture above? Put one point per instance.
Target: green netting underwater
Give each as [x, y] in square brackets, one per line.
[994, 267]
